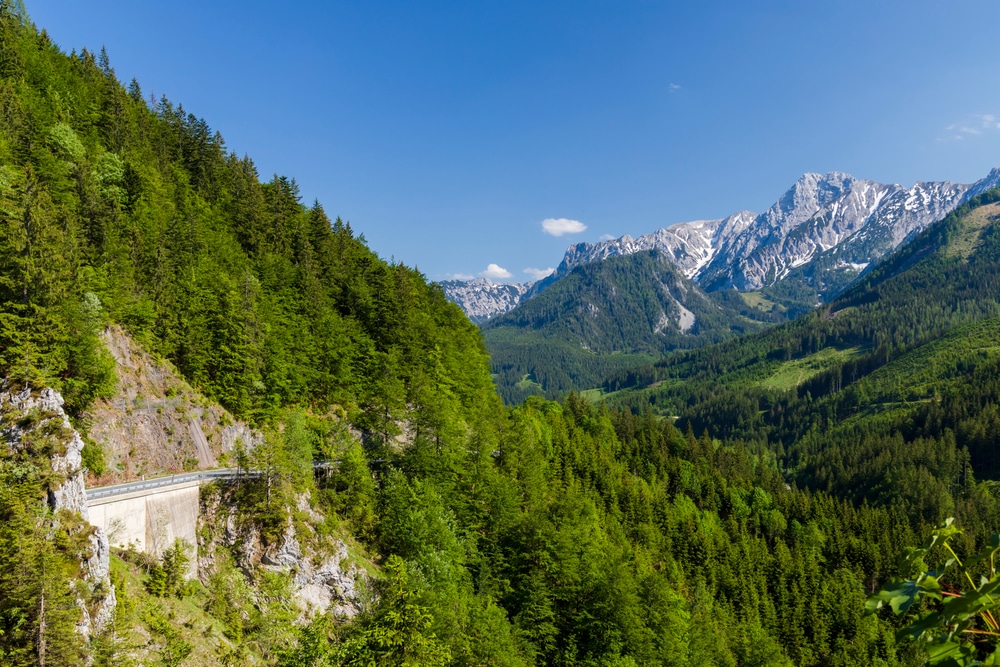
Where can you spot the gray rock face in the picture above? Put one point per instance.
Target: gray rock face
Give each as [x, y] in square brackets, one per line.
[851, 222]
[821, 214]
[319, 586]
[322, 578]
[71, 495]
[156, 421]
[991, 181]
[99, 569]
[483, 299]
[689, 245]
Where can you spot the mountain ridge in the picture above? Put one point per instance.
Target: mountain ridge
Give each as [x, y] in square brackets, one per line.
[818, 213]
[482, 299]
[846, 222]
[606, 316]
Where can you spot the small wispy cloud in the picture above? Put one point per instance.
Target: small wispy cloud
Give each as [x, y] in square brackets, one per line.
[538, 274]
[972, 126]
[562, 226]
[496, 272]
[459, 276]
[962, 130]
[607, 237]
[673, 88]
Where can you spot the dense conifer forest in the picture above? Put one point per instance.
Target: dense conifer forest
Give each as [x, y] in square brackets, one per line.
[734, 505]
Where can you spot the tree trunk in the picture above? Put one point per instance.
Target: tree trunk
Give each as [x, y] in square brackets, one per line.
[41, 628]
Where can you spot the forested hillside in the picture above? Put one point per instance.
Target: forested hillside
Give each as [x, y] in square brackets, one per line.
[119, 209]
[749, 533]
[608, 316]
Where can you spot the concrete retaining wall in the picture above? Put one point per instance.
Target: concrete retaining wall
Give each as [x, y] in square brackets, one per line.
[151, 520]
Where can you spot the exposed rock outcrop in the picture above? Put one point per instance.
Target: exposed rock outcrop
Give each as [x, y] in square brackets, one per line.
[483, 299]
[323, 577]
[321, 583]
[69, 495]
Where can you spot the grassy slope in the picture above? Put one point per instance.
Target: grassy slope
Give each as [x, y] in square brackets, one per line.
[793, 373]
[143, 617]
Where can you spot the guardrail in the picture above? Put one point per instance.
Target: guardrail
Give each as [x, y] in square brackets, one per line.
[96, 492]
[158, 482]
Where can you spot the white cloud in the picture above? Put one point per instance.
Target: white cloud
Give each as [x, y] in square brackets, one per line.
[562, 226]
[538, 274]
[607, 237]
[459, 276]
[673, 88]
[973, 125]
[496, 272]
[963, 129]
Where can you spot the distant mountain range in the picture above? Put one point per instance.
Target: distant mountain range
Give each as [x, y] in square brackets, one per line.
[482, 299]
[818, 237]
[612, 305]
[898, 375]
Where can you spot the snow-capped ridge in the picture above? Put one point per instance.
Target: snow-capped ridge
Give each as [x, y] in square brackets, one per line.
[821, 214]
[851, 222]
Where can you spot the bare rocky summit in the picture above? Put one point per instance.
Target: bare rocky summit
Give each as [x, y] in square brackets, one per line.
[856, 221]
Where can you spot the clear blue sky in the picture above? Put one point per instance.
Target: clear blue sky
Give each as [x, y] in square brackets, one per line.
[446, 132]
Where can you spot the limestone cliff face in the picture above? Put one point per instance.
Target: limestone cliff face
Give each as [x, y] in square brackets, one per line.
[323, 581]
[70, 495]
[323, 576]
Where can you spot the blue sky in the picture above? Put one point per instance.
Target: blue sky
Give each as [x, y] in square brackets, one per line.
[447, 132]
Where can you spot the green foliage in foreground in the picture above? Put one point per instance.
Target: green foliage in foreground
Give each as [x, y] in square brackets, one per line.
[40, 552]
[167, 576]
[959, 628]
[591, 537]
[574, 536]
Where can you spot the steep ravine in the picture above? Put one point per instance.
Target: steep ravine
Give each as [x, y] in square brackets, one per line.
[156, 423]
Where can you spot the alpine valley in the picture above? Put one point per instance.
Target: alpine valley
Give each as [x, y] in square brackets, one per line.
[354, 490]
[823, 233]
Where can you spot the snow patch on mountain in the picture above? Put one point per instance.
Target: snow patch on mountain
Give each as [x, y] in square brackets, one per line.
[482, 299]
[835, 214]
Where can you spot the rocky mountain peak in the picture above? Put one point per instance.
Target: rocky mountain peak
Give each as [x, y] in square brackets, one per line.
[991, 181]
[810, 193]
